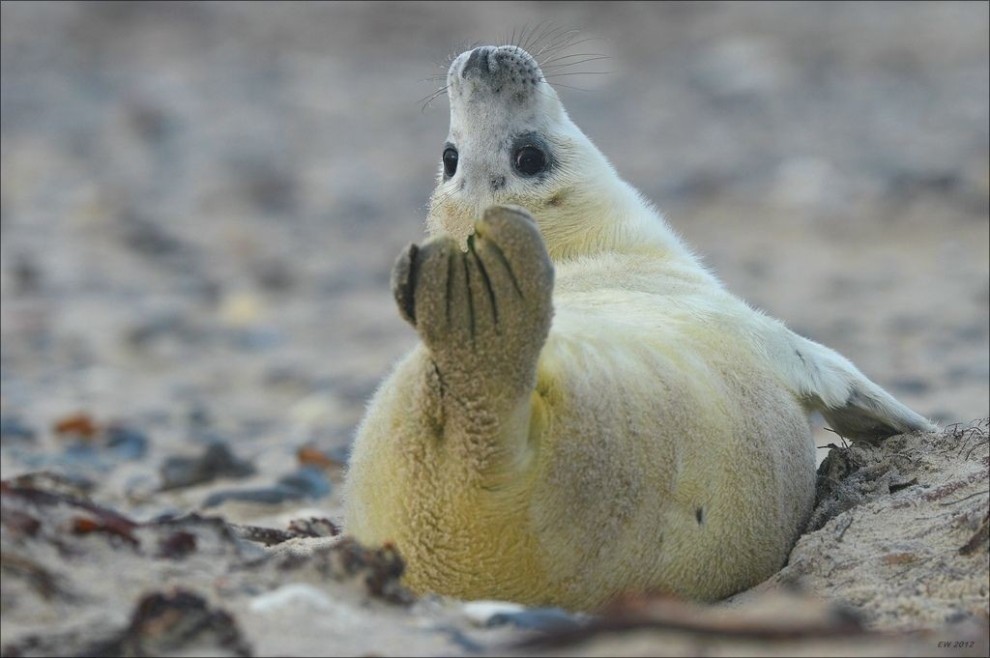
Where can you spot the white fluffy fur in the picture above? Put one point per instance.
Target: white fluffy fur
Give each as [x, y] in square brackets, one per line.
[659, 439]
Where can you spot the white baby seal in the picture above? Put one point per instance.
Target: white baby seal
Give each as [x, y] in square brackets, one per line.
[589, 411]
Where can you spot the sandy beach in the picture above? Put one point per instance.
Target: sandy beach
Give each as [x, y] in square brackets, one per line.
[201, 204]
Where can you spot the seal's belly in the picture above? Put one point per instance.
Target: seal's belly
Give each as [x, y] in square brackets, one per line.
[675, 461]
[651, 468]
[476, 550]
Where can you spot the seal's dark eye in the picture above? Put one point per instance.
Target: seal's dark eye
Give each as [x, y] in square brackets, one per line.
[449, 162]
[530, 161]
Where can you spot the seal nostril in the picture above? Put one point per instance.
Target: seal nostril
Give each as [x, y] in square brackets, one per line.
[477, 60]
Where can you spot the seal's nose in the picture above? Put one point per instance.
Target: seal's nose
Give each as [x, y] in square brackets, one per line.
[478, 61]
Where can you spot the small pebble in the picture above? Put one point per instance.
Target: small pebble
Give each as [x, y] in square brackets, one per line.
[288, 596]
[79, 425]
[306, 482]
[217, 461]
[126, 443]
[268, 495]
[489, 614]
[256, 339]
[310, 481]
[12, 429]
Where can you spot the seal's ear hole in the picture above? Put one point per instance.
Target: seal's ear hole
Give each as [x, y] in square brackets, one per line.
[530, 160]
[449, 161]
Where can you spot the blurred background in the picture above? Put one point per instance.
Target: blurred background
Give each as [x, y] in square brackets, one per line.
[201, 202]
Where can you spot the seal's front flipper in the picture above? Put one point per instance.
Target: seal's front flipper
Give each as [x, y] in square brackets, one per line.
[484, 313]
[852, 405]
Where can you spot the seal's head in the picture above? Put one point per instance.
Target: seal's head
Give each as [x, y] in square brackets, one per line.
[510, 142]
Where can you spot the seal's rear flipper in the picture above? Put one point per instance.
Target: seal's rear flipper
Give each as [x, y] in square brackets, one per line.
[852, 405]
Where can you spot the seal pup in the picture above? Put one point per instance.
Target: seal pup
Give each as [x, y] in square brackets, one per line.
[588, 411]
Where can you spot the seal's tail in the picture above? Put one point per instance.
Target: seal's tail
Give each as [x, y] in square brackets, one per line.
[853, 405]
